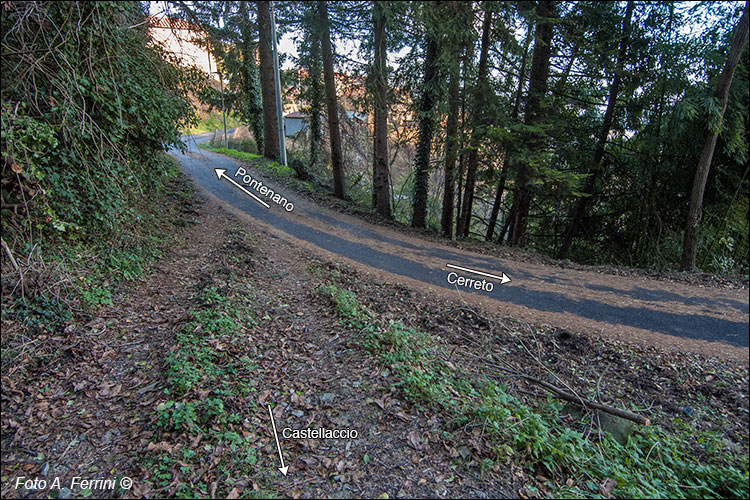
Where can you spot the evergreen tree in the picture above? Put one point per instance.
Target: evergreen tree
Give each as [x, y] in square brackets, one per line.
[381, 185]
[581, 207]
[428, 101]
[478, 128]
[525, 170]
[690, 241]
[334, 132]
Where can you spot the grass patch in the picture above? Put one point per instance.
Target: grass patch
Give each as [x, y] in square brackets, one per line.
[257, 161]
[209, 122]
[653, 463]
[273, 169]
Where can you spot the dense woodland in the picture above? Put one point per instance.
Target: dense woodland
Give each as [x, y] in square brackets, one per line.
[585, 130]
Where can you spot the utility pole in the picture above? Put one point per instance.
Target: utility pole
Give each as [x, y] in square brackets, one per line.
[223, 112]
[277, 81]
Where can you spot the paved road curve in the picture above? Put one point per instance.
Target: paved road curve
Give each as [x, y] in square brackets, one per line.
[628, 306]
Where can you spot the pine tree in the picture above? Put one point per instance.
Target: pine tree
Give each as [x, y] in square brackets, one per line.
[339, 189]
[690, 240]
[381, 186]
[312, 91]
[458, 41]
[581, 207]
[525, 171]
[478, 129]
[428, 101]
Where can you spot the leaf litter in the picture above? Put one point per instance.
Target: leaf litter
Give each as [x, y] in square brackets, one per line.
[89, 404]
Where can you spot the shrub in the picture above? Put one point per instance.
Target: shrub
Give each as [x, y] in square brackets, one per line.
[88, 105]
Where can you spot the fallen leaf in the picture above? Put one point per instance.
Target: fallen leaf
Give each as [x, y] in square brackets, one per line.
[196, 440]
[413, 440]
[263, 396]
[115, 390]
[606, 488]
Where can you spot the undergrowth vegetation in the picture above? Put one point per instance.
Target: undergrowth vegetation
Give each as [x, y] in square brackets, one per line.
[210, 121]
[211, 394]
[652, 463]
[88, 107]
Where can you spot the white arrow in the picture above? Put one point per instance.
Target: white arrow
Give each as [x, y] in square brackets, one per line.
[503, 279]
[283, 468]
[221, 172]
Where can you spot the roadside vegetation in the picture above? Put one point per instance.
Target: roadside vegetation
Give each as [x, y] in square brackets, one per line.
[211, 121]
[88, 108]
[203, 421]
[90, 200]
[243, 150]
[650, 462]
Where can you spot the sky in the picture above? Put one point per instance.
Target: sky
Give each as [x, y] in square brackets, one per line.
[287, 45]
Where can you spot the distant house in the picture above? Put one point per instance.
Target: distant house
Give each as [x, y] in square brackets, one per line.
[356, 115]
[294, 123]
[182, 40]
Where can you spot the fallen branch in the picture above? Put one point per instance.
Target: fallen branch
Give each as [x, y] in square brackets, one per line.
[13, 263]
[556, 392]
[586, 403]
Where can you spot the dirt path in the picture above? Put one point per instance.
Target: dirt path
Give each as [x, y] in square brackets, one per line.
[678, 316]
[91, 414]
[88, 412]
[92, 410]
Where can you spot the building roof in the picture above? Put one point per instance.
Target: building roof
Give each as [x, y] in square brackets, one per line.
[296, 114]
[172, 23]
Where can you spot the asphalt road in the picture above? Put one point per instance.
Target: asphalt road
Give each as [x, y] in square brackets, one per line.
[623, 303]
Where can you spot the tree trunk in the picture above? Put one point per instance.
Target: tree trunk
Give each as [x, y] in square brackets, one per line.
[267, 83]
[250, 87]
[451, 148]
[426, 129]
[380, 86]
[513, 117]
[581, 209]
[334, 132]
[690, 240]
[498, 200]
[314, 93]
[477, 128]
[526, 172]
[468, 50]
[647, 209]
